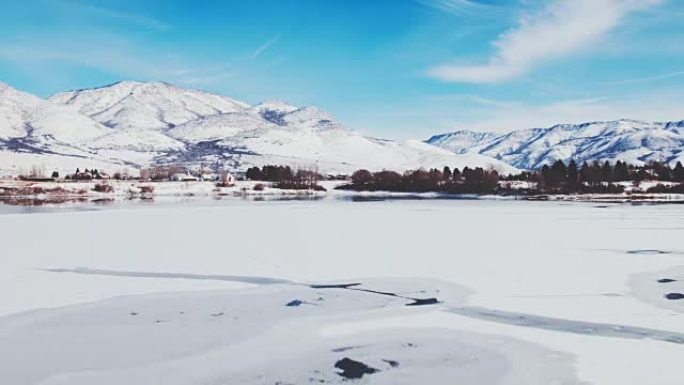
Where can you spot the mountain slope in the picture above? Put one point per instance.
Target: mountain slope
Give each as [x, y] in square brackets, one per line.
[139, 124]
[145, 105]
[23, 115]
[37, 133]
[308, 137]
[632, 141]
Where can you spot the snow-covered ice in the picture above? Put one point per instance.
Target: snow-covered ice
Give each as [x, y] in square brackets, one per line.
[527, 293]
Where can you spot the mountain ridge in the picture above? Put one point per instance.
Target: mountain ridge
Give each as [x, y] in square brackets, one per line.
[634, 141]
[132, 124]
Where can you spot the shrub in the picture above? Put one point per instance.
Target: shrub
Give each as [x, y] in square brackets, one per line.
[146, 189]
[362, 177]
[662, 189]
[103, 188]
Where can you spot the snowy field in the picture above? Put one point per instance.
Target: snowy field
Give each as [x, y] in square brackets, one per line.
[335, 291]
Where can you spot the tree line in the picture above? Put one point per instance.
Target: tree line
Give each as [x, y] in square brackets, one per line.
[285, 177]
[597, 177]
[557, 178]
[469, 181]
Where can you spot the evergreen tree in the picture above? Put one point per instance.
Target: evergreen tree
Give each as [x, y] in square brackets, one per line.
[678, 173]
[446, 173]
[545, 176]
[466, 173]
[253, 173]
[557, 174]
[620, 172]
[573, 174]
[456, 174]
[607, 172]
[662, 171]
[585, 173]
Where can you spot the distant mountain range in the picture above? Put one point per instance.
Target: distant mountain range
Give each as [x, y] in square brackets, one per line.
[133, 124]
[632, 141]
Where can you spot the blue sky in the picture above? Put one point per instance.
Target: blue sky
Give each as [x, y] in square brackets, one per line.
[392, 68]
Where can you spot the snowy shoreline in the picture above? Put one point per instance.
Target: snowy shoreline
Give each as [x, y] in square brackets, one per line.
[41, 193]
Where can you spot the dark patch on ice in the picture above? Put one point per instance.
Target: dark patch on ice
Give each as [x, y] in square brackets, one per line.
[134, 313]
[143, 274]
[569, 326]
[335, 286]
[674, 296]
[344, 349]
[294, 303]
[423, 301]
[351, 369]
[392, 363]
[353, 286]
[648, 251]
[378, 292]
[666, 280]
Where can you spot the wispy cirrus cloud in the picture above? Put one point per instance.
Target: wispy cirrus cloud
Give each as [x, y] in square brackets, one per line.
[515, 115]
[265, 46]
[559, 29]
[457, 7]
[647, 79]
[119, 57]
[112, 13]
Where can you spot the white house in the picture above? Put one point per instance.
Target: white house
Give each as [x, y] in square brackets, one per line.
[227, 179]
[209, 176]
[183, 177]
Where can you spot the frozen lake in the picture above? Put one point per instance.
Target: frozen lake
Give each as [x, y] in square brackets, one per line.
[196, 292]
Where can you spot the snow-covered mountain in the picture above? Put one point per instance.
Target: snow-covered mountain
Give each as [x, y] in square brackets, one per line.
[276, 133]
[133, 124]
[461, 142]
[140, 105]
[37, 133]
[632, 141]
[23, 115]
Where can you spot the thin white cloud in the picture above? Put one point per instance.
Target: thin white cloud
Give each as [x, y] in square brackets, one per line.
[452, 112]
[265, 46]
[559, 29]
[517, 115]
[456, 7]
[105, 12]
[646, 79]
[119, 58]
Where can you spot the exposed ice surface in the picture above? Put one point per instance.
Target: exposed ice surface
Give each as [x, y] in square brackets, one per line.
[527, 293]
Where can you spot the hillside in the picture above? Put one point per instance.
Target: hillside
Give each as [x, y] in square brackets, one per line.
[133, 124]
[632, 141]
